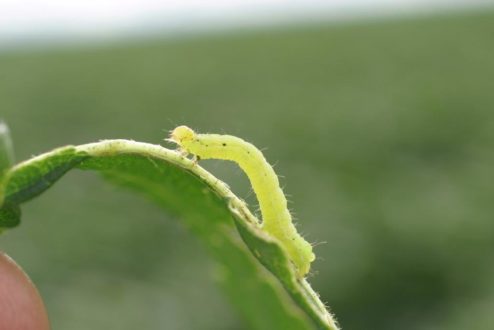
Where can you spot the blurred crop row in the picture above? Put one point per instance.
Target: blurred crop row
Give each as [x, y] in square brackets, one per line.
[383, 133]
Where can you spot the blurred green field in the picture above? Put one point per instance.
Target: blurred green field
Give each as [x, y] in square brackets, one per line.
[383, 132]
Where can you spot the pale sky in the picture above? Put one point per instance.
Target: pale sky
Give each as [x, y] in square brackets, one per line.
[30, 20]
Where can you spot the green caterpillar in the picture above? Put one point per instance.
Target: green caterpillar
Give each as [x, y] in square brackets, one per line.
[277, 220]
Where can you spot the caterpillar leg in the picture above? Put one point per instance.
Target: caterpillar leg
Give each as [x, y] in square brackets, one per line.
[195, 159]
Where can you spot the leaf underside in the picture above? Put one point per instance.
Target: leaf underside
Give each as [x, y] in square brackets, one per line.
[254, 269]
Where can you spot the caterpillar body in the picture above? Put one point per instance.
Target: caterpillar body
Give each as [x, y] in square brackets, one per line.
[276, 219]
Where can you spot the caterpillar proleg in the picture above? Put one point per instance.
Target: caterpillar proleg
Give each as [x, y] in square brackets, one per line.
[276, 219]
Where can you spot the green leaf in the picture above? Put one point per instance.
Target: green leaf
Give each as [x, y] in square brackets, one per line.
[10, 213]
[254, 268]
[6, 149]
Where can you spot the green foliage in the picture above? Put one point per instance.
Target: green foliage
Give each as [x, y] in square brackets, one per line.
[382, 131]
[206, 205]
[10, 213]
[6, 149]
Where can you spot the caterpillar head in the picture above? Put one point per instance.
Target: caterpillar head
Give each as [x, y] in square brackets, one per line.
[182, 135]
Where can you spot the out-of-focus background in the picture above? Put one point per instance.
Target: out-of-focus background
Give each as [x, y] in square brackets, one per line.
[378, 114]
